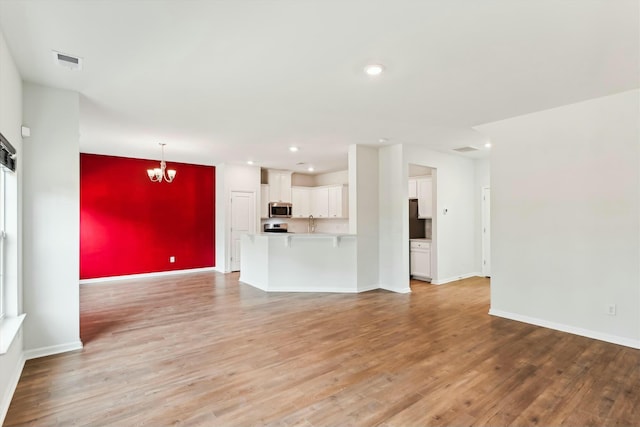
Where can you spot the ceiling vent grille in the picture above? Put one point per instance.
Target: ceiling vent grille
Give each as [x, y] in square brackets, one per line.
[67, 61]
[465, 149]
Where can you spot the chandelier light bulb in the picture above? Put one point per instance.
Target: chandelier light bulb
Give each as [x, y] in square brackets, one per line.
[161, 174]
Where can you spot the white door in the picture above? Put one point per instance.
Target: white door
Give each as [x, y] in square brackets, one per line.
[243, 221]
[486, 231]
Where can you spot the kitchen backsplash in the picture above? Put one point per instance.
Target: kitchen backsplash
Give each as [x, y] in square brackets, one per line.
[428, 228]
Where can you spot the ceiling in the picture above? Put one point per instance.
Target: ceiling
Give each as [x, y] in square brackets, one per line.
[237, 80]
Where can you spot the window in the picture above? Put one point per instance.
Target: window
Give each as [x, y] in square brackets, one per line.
[10, 312]
[3, 235]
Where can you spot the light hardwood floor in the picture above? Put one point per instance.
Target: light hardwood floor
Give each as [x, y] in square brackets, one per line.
[206, 350]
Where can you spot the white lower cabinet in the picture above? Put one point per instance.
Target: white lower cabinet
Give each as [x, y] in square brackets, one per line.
[420, 259]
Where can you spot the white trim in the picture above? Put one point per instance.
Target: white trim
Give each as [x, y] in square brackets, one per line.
[317, 291]
[453, 279]
[406, 290]
[368, 288]
[11, 388]
[627, 342]
[51, 350]
[485, 238]
[220, 270]
[9, 328]
[253, 285]
[146, 275]
[308, 290]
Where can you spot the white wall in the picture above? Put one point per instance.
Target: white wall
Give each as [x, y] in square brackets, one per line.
[51, 221]
[363, 213]
[455, 191]
[302, 180]
[221, 220]
[393, 211]
[566, 217]
[232, 178]
[12, 361]
[332, 178]
[482, 170]
[329, 178]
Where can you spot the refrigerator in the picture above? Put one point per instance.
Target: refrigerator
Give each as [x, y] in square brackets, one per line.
[417, 227]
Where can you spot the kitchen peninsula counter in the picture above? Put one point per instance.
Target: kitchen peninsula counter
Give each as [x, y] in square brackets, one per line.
[299, 262]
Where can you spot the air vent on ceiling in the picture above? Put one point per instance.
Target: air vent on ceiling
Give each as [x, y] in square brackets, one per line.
[466, 149]
[68, 61]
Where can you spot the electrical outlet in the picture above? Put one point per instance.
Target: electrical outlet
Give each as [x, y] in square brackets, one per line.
[611, 309]
[172, 259]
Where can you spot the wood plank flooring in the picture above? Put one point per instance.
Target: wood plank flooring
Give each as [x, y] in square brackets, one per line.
[204, 350]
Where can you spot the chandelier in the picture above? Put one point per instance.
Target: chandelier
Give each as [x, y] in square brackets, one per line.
[161, 173]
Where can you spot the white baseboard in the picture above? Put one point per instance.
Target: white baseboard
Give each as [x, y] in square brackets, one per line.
[406, 290]
[614, 339]
[220, 270]
[368, 288]
[145, 275]
[11, 388]
[254, 285]
[54, 349]
[453, 279]
[319, 291]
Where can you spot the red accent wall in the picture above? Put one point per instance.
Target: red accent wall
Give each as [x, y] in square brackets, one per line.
[130, 225]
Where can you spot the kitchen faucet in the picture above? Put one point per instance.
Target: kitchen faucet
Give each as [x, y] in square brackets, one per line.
[311, 228]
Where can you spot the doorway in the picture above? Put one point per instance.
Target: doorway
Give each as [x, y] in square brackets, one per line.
[422, 184]
[243, 214]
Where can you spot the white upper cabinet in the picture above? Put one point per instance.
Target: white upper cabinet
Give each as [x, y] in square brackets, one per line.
[338, 205]
[329, 202]
[279, 185]
[425, 197]
[413, 188]
[264, 201]
[320, 202]
[301, 201]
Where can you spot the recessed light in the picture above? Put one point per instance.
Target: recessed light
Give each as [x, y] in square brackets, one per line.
[374, 69]
[249, 162]
[488, 145]
[310, 169]
[383, 140]
[293, 148]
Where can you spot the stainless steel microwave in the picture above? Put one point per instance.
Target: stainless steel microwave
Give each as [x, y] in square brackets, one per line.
[279, 210]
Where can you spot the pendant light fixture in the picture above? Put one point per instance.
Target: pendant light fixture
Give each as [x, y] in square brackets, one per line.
[161, 173]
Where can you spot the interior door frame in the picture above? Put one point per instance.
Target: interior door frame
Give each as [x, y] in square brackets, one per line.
[486, 231]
